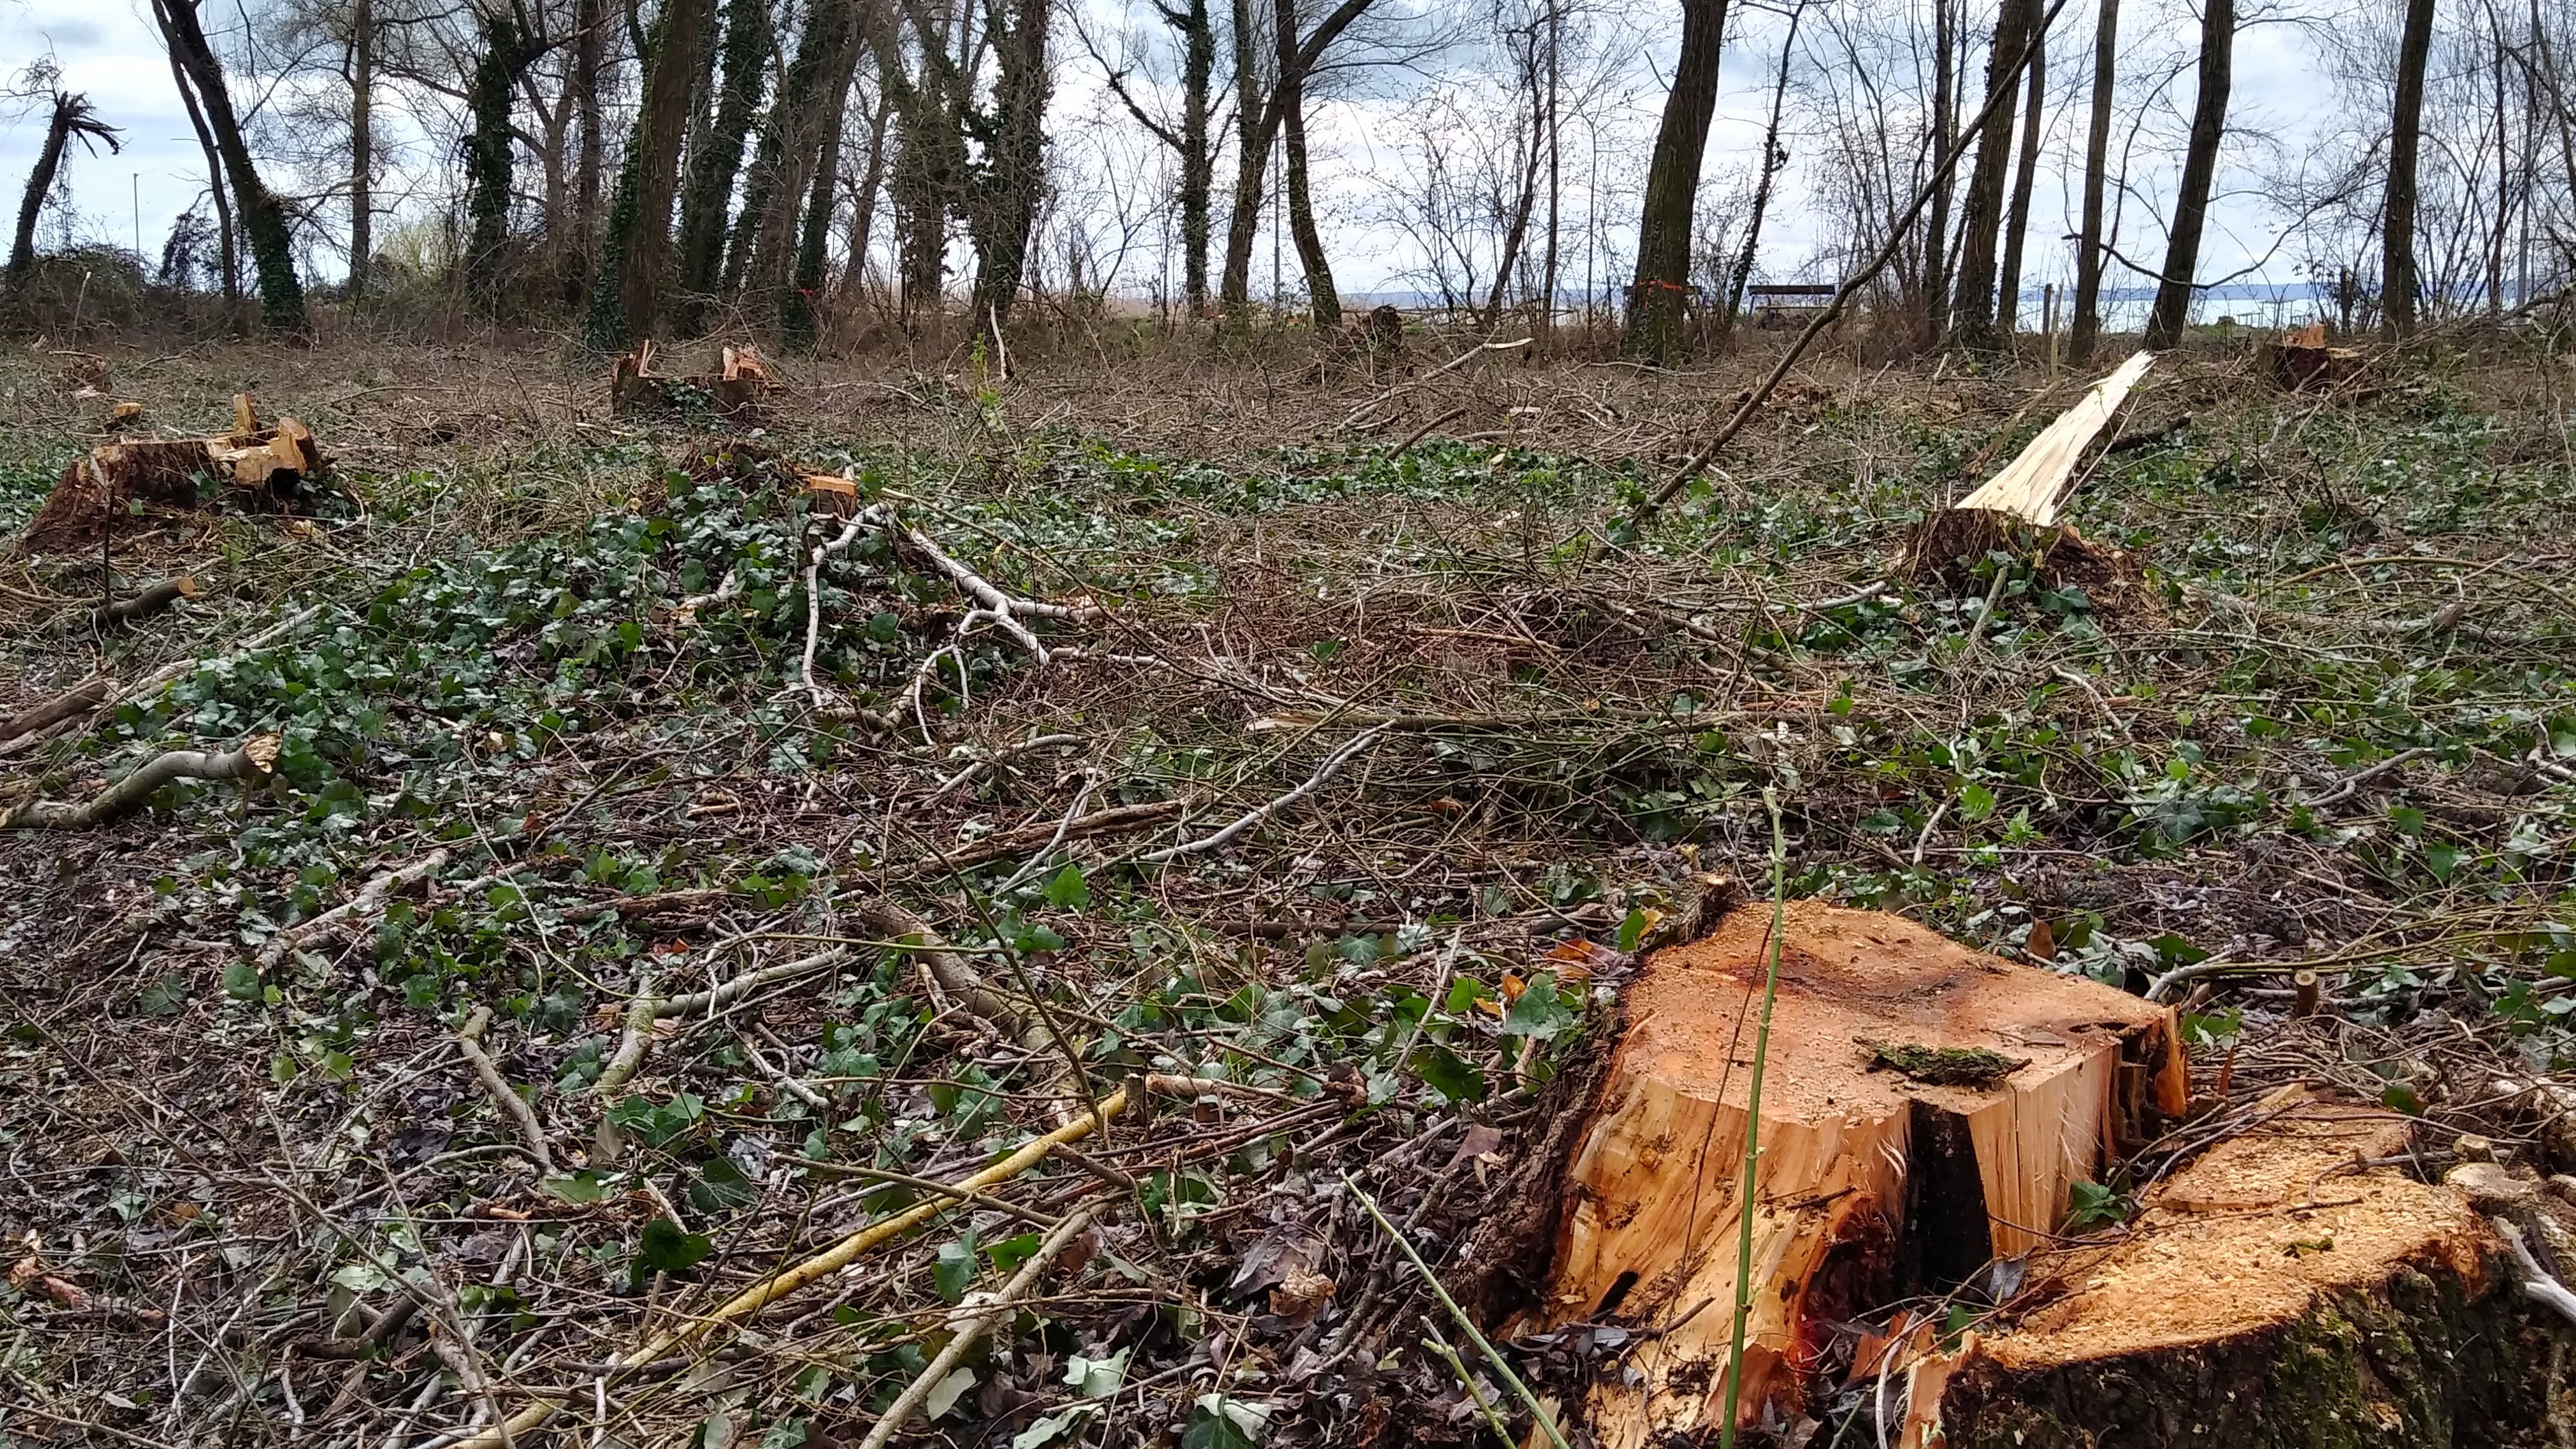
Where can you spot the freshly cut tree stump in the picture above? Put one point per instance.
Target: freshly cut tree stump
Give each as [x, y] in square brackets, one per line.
[2281, 1292]
[1926, 1108]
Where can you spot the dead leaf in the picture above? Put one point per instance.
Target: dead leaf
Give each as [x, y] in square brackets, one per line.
[1301, 1295]
[2042, 945]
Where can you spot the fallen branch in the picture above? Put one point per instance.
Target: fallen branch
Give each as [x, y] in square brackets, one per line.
[994, 1311]
[824, 699]
[72, 703]
[797, 1276]
[366, 905]
[2353, 782]
[635, 1037]
[720, 997]
[1002, 843]
[143, 605]
[923, 1184]
[954, 975]
[1332, 765]
[469, 1041]
[1006, 752]
[256, 757]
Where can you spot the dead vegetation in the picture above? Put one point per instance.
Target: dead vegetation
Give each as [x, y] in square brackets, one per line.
[972, 899]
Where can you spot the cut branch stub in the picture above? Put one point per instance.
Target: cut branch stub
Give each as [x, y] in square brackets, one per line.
[1871, 1183]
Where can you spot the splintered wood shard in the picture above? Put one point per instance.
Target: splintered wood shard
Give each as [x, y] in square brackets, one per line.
[2034, 485]
[1872, 1181]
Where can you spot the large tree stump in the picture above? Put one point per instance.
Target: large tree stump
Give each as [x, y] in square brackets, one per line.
[2280, 1293]
[1927, 1107]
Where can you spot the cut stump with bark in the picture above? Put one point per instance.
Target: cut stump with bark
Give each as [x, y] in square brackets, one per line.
[264, 468]
[731, 393]
[1926, 1108]
[2292, 1289]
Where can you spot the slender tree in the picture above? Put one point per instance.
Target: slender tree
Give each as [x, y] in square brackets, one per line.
[2199, 170]
[627, 302]
[1323, 301]
[1774, 156]
[1972, 308]
[1259, 117]
[2097, 151]
[2017, 224]
[2397, 280]
[263, 220]
[362, 146]
[1655, 300]
[1010, 181]
[1191, 141]
[589, 60]
[73, 118]
[1945, 134]
[227, 262]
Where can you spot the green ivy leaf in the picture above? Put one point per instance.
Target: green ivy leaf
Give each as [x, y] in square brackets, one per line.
[667, 1248]
[1976, 802]
[582, 1187]
[1448, 1073]
[1539, 1012]
[1068, 891]
[954, 1268]
[1010, 1253]
[241, 981]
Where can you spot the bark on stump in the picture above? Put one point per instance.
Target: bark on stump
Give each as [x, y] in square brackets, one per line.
[2279, 1293]
[1927, 1108]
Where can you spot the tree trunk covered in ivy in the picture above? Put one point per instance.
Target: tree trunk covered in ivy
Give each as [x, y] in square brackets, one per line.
[263, 220]
[488, 158]
[589, 57]
[626, 303]
[800, 306]
[718, 158]
[762, 255]
[362, 145]
[72, 116]
[1003, 204]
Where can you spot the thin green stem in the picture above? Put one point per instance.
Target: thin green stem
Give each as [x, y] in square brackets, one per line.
[1432, 1340]
[1753, 1124]
[1476, 1335]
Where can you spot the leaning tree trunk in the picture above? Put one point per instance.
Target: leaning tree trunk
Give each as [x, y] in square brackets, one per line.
[229, 264]
[627, 302]
[272, 249]
[362, 146]
[1972, 310]
[40, 184]
[800, 307]
[1773, 158]
[1324, 303]
[488, 157]
[1655, 310]
[718, 158]
[2017, 224]
[2097, 153]
[2199, 169]
[2397, 284]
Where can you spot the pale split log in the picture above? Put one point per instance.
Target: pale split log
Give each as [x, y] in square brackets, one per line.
[2033, 486]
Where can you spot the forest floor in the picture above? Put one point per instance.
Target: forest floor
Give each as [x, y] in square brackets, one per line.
[270, 1176]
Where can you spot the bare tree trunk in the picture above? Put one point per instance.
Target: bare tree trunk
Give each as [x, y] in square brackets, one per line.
[1972, 311]
[2199, 169]
[226, 259]
[1516, 234]
[627, 302]
[1555, 162]
[1324, 303]
[1773, 158]
[1945, 130]
[863, 204]
[1655, 300]
[2502, 217]
[2097, 152]
[763, 257]
[1251, 163]
[2405, 139]
[281, 292]
[2017, 226]
[362, 146]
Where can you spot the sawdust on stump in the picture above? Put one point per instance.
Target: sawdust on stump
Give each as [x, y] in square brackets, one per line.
[1870, 1185]
[2293, 1289]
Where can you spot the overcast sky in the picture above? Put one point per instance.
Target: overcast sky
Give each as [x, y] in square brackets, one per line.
[109, 49]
